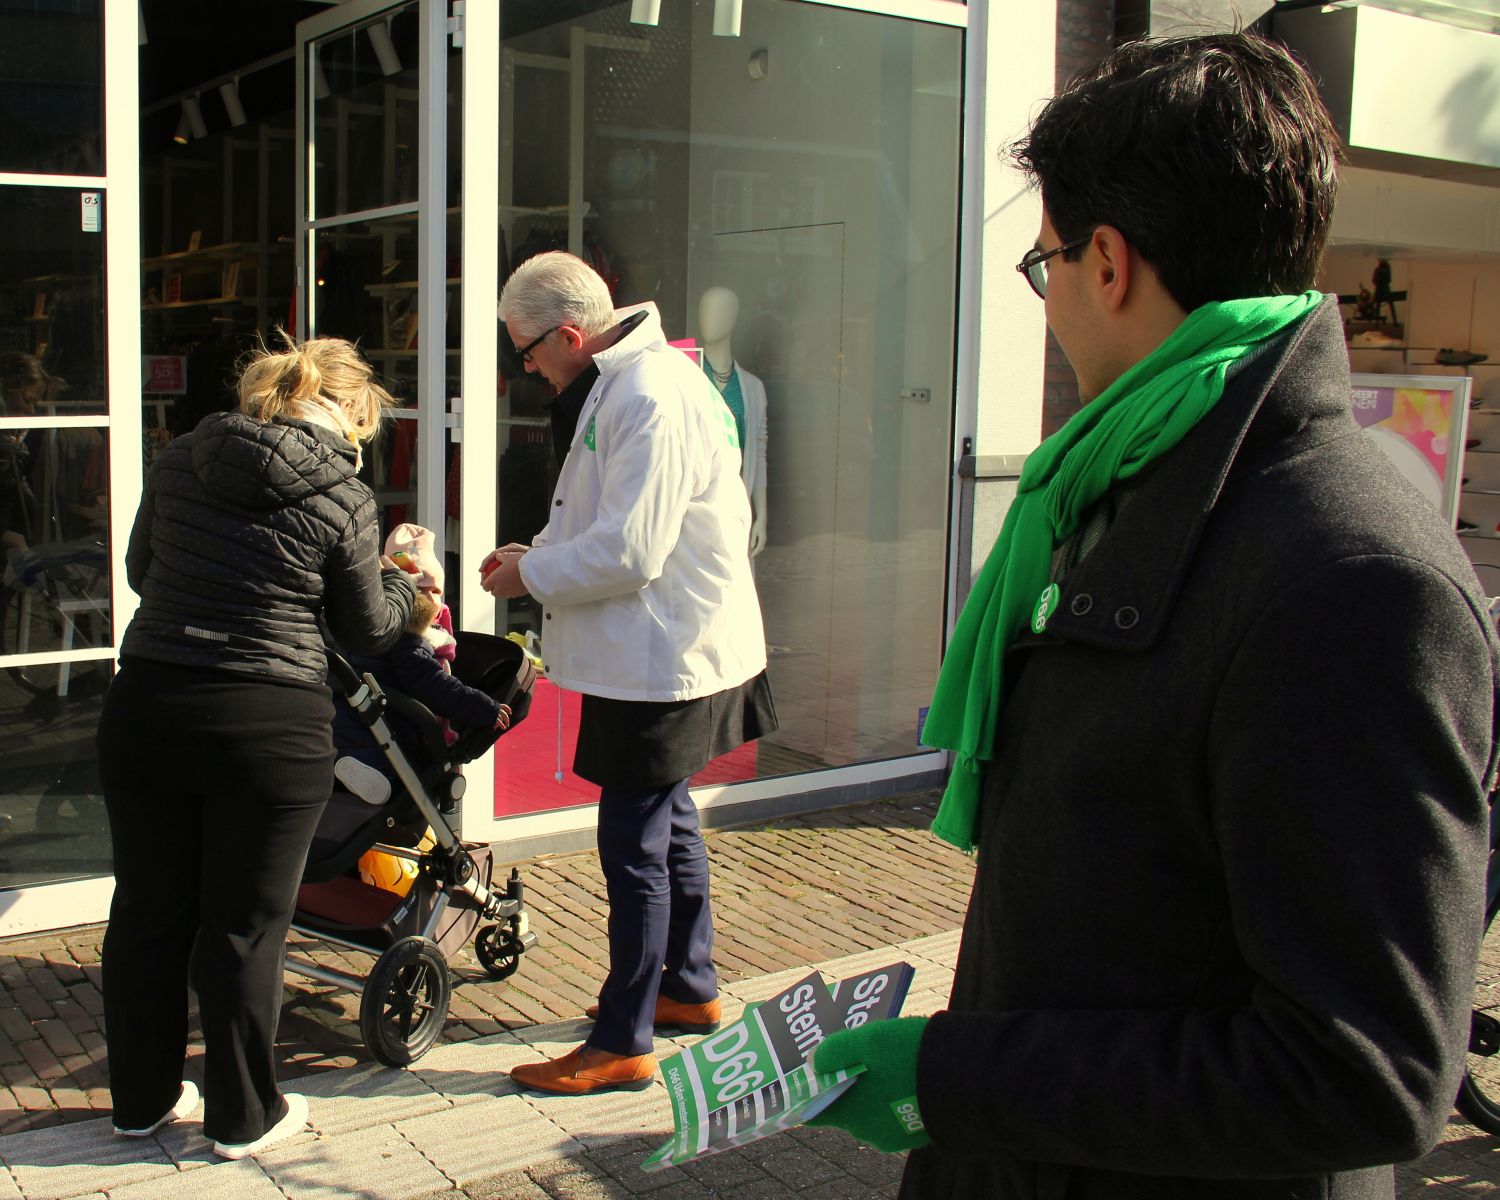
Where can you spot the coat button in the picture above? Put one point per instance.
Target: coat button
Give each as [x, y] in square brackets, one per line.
[1081, 604]
[558, 503]
[549, 616]
[1126, 617]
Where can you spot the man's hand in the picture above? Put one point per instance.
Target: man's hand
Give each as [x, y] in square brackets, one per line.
[757, 536]
[492, 559]
[880, 1108]
[503, 580]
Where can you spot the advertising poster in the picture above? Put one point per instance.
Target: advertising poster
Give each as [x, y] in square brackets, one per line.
[1420, 421]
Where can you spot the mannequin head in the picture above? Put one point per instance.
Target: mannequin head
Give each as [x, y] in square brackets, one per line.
[718, 310]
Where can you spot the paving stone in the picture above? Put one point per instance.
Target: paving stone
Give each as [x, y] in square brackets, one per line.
[341, 1102]
[513, 1185]
[376, 1162]
[472, 1072]
[80, 1158]
[8, 1188]
[608, 1116]
[243, 1180]
[478, 1141]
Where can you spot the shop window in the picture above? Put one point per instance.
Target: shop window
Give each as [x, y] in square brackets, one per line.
[810, 166]
[51, 87]
[54, 533]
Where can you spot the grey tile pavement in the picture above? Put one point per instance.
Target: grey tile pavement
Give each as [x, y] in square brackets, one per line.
[454, 1125]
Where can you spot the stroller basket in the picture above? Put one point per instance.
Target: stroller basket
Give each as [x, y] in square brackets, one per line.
[404, 1000]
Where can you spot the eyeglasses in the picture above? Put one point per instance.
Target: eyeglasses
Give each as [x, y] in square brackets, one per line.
[1034, 267]
[525, 352]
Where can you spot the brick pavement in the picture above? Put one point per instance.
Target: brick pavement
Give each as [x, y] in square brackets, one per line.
[800, 890]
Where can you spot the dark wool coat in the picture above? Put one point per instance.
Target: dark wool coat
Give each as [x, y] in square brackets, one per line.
[1230, 879]
[247, 531]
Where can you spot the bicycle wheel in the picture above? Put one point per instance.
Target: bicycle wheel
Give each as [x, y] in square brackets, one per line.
[1479, 1094]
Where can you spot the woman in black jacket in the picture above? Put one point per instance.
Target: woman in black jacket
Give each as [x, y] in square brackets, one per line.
[214, 745]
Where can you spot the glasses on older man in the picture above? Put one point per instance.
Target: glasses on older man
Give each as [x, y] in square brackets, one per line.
[525, 351]
[1034, 265]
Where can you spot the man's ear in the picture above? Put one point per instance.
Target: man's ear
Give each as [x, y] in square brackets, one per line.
[574, 337]
[1112, 274]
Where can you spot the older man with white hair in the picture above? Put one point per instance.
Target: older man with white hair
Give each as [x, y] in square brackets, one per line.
[649, 611]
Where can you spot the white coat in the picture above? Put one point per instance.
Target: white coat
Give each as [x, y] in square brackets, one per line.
[643, 569]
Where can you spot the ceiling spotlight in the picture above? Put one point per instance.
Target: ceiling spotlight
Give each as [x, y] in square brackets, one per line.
[645, 12]
[191, 122]
[726, 18]
[385, 49]
[230, 92]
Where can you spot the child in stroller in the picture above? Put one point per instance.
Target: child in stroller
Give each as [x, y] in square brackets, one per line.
[418, 666]
[408, 784]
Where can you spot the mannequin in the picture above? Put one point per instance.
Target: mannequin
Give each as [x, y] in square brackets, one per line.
[718, 310]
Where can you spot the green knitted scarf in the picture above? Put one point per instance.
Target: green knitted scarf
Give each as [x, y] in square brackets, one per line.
[1137, 419]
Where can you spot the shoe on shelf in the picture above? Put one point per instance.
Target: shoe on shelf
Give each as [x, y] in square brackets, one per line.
[1458, 358]
[673, 1014]
[187, 1101]
[294, 1121]
[1465, 526]
[586, 1070]
[1471, 443]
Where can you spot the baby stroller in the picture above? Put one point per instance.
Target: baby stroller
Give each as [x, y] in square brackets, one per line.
[404, 999]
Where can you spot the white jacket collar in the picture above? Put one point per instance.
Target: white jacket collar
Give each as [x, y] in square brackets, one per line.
[645, 336]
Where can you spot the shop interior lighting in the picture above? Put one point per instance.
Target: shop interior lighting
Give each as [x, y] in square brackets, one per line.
[385, 49]
[190, 124]
[321, 90]
[230, 92]
[727, 18]
[645, 12]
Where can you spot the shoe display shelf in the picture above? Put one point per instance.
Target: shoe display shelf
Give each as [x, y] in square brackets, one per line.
[1479, 494]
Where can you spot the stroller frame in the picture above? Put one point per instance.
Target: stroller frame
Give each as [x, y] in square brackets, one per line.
[404, 1000]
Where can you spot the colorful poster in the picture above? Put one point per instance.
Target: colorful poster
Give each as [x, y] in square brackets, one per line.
[1419, 422]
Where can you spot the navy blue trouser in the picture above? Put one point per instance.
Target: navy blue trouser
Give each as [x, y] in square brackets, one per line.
[661, 932]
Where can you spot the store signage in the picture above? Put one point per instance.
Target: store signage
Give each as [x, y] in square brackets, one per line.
[93, 221]
[164, 374]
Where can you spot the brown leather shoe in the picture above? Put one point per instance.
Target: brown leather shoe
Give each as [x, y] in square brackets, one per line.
[585, 1070]
[671, 1014]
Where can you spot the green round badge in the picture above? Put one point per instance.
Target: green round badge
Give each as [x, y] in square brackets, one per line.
[1044, 606]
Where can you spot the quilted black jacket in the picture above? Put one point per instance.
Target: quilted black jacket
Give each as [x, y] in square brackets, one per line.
[1232, 847]
[247, 531]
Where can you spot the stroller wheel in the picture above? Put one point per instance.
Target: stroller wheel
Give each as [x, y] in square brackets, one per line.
[498, 954]
[405, 1001]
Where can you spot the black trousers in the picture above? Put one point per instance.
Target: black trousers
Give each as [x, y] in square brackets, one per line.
[214, 785]
[661, 932]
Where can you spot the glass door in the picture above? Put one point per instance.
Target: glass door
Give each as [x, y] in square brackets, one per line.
[70, 427]
[377, 257]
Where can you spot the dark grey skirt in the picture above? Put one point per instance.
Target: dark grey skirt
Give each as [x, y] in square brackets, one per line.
[641, 744]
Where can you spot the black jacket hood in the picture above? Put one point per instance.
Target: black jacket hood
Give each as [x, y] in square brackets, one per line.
[268, 464]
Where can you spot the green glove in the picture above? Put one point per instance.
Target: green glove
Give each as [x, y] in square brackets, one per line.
[880, 1109]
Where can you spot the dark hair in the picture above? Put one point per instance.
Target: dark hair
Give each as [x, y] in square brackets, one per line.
[1213, 155]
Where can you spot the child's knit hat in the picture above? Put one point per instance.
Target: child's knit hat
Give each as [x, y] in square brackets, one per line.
[416, 543]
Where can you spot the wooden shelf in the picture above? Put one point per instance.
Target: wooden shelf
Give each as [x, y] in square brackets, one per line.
[1480, 491]
[1478, 533]
[197, 303]
[387, 289]
[226, 250]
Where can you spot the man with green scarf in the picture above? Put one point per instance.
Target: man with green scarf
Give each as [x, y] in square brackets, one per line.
[1221, 706]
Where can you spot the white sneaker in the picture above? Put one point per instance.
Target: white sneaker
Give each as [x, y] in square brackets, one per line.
[294, 1122]
[187, 1101]
[362, 780]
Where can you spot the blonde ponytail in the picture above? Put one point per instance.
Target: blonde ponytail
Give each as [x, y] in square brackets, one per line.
[272, 382]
